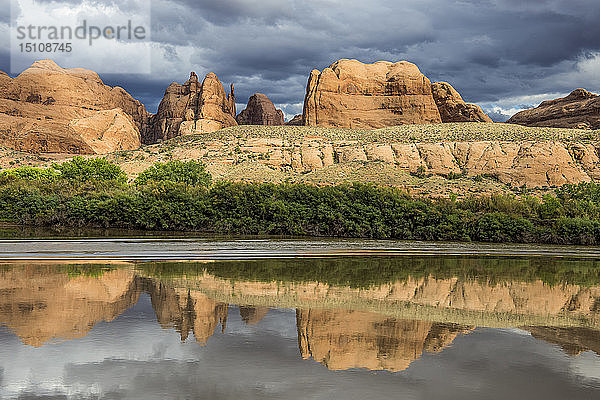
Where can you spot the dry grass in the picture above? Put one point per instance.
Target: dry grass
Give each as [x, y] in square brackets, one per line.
[229, 162]
[422, 133]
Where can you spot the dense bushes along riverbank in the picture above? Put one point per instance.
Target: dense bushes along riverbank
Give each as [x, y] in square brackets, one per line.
[180, 196]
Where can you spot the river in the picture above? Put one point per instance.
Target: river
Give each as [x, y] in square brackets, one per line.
[156, 317]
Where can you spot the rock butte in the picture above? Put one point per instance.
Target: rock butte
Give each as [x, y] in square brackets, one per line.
[48, 109]
[296, 121]
[453, 108]
[193, 108]
[260, 111]
[580, 109]
[351, 94]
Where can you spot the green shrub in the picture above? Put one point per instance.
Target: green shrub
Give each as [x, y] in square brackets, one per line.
[90, 169]
[190, 173]
[500, 227]
[31, 174]
[175, 196]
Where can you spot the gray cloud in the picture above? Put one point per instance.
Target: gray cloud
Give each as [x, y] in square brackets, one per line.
[490, 50]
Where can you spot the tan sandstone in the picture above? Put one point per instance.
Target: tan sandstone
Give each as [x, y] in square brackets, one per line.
[50, 109]
[351, 94]
[193, 108]
[260, 111]
[453, 108]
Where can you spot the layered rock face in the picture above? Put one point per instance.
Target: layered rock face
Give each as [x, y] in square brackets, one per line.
[342, 339]
[193, 108]
[453, 108]
[48, 109]
[530, 163]
[350, 94]
[580, 109]
[260, 111]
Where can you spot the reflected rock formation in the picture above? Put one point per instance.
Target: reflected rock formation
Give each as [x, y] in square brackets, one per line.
[39, 304]
[572, 341]
[187, 311]
[383, 327]
[253, 315]
[343, 339]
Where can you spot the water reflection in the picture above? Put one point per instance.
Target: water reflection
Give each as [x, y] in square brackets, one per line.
[40, 304]
[378, 327]
[187, 311]
[344, 339]
[312, 328]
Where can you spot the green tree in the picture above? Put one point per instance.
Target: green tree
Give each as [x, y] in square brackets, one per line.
[191, 173]
[90, 169]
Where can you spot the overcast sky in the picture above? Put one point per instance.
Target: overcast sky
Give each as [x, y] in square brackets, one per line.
[502, 54]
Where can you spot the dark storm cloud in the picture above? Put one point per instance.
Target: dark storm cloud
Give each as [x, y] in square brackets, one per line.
[490, 50]
[487, 49]
[148, 91]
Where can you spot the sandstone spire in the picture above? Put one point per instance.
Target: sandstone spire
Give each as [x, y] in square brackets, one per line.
[260, 111]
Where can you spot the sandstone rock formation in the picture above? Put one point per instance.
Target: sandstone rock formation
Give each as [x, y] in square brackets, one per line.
[39, 304]
[296, 121]
[350, 94]
[453, 108]
[260, 111]
[343, 339]
[48, 109]
[193, 108]
[580, 109]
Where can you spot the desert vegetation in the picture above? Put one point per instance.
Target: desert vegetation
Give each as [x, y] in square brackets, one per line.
[181, 196]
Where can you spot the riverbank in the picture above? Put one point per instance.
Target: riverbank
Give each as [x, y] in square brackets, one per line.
[181, 196]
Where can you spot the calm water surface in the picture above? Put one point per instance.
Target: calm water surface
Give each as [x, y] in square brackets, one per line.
[174, 318]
